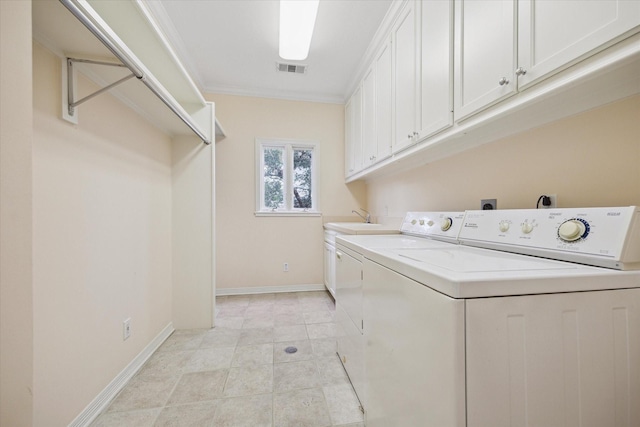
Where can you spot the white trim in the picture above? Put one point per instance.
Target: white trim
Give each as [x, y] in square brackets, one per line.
[104, 398]
[287, 213]
[288, 146]
[270, 289]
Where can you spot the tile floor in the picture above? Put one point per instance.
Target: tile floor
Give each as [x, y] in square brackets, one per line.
[239, 374]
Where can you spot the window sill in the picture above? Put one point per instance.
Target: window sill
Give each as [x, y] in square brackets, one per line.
[287, 213]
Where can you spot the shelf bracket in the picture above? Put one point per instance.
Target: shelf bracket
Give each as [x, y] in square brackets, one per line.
[71, 103]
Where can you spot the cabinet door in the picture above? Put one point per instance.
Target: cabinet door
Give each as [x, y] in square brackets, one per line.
[553, 34]
[351, 352]
[349, 317]
[485, 54]
[404, 78]
[329, 268]
[369, 140]
[384, 101]
[349, 286]
[436, 67]
[353, 135]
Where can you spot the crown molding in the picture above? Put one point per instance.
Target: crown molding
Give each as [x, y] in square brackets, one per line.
[274, 94]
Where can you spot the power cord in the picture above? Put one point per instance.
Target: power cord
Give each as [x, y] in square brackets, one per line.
[546, 201]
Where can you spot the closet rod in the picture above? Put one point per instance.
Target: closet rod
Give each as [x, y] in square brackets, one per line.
[130, 63]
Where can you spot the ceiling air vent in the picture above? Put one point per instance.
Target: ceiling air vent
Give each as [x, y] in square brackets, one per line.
[291, 68]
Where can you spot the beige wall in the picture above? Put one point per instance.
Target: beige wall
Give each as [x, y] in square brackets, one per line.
[251, 250]
[16, 138]
[192, 228]
[592, 159]
[102, 243]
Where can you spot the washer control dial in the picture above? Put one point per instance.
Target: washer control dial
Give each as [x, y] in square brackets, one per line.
[504, 226]
[446, 224]
[573, 229]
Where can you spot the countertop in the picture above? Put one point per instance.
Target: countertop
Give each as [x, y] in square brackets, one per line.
[360, 228]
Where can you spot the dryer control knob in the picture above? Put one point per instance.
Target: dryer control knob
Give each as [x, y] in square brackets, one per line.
[573, 229]
[503, 226]
[430, 223]
[446, 224]
[527, 227]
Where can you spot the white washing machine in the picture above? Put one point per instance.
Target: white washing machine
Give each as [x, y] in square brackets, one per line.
[419, 230]
[468, 336]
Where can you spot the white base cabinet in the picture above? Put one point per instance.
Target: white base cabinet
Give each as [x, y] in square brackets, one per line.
[349, 317]
[330, 268]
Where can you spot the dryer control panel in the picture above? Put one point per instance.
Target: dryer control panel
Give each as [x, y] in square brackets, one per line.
[436, 225]
[606, 237]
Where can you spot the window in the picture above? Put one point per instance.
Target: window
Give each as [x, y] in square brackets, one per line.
[286, 177]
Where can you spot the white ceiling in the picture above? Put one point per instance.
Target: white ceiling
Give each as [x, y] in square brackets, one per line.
[231, 46]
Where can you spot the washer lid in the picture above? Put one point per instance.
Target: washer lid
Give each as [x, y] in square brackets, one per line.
[468, 272]
[467, 260]
[357, 243]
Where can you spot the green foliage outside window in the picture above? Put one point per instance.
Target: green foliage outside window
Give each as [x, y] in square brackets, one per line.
[273, 178]
[302, 179]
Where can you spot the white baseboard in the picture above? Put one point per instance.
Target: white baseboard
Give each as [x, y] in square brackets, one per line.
[270, 289]
[104, 398]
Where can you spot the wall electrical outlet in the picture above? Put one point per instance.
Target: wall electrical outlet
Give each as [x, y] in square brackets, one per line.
[489, 204]
[554, 201]
[285, 267]
[126, 329]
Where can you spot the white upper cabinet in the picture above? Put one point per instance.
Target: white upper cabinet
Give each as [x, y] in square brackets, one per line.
[369, 139]
[553, 34]
[384, 101]
[436, 67]
[485, 46]
[507, 63]
[404, 78]
[353, 133]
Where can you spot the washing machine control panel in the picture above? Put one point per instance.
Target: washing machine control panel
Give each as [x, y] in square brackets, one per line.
[439, 225]
[608, 237]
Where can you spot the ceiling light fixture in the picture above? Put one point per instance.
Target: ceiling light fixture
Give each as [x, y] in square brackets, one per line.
[297, 19]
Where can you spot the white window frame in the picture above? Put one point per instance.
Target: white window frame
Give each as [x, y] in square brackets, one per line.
[288, 146]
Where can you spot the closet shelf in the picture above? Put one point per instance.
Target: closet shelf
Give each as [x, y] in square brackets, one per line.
[125, 32]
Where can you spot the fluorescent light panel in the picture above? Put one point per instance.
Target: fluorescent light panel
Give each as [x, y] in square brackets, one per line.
[297, 19]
